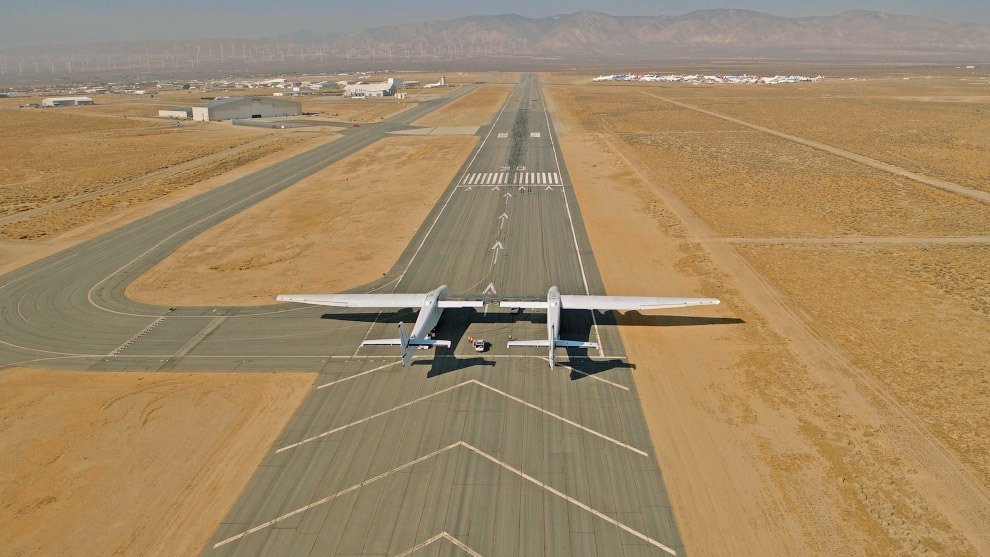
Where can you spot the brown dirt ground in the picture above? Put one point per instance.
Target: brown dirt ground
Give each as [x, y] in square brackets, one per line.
[16, 253]
[933, 126]
[58, 221]
[474, 109]
[746, 183]
[120, 463]
[769, 440]
[325, 234]
[53, 154]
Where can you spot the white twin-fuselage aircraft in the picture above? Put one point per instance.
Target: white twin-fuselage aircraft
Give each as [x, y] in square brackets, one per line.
[431, 306]
[433, 303]
[557, 301]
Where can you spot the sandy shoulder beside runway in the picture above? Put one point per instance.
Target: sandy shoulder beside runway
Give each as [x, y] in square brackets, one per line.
[338, 229]
[121, 463]
[833, 416]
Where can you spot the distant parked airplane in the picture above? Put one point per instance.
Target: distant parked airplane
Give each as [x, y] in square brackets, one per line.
[441, 83]
[557, 301]
[431, 306]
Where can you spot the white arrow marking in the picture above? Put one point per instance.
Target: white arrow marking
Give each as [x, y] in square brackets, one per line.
[503, 217]
[441, 536]
[549, 188]
[496, 188]
[498, 245]
[522, 188]
[490, 289]
[469, 187]
[507, 196]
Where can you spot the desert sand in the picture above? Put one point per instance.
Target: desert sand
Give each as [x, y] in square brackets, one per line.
[338, 229]
[120, 463]
[78, 221]
[473, 109]
[831, 420]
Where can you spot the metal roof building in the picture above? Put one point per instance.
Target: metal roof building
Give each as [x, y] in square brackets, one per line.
[380, 89]
[246, 107]
[66, 101]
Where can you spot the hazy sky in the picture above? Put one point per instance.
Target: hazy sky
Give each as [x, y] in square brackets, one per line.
[62, 21]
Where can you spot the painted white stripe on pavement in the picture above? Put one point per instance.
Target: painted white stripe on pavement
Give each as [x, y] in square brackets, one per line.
[480, 453]
[571, 500]
[358, 375]
[459, 385]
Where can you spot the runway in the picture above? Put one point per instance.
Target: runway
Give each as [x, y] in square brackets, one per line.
[479, 453]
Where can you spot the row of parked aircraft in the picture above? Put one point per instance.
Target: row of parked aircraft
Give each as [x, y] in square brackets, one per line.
[717, 78]
[433, 303]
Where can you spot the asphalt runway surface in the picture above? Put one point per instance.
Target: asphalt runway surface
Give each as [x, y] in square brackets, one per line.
[487, 453]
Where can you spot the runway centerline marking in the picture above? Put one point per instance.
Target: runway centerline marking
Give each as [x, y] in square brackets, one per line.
[459, 385]
[480, 453]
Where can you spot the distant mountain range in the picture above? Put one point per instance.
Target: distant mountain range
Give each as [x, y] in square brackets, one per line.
[514, 41]
[697, 34]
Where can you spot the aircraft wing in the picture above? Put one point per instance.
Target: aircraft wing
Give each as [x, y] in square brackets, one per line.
[374, 300]
[630, 303]
[357, 300]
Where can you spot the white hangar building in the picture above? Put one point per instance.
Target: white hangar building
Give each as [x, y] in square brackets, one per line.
[380, 89]
[246, 107]
[66, 101]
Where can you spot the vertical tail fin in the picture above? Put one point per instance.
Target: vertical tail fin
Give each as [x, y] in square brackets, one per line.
[405, 350]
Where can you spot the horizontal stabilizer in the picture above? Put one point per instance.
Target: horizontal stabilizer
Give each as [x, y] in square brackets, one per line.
[412, 342]
[574, 344]
[429, 342]
[543, 342]
[383, 342]
[460, 304]
[524, 305]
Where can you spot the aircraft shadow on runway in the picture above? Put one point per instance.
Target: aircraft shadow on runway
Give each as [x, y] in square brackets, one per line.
[577, 325]
[637, 319]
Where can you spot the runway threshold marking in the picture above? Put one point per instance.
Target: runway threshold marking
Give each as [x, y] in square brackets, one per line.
[459, 385]
[438, 452]
[441, 536]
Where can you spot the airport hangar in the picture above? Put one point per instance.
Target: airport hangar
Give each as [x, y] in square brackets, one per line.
[379, 89]
[66, 101]
[235, 108]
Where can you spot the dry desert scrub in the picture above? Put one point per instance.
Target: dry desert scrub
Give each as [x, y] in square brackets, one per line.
[60, 220]
[936, 127]
[747, 183]
[337, 229]
[916, 317]
[49, 156]
[474, 109]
